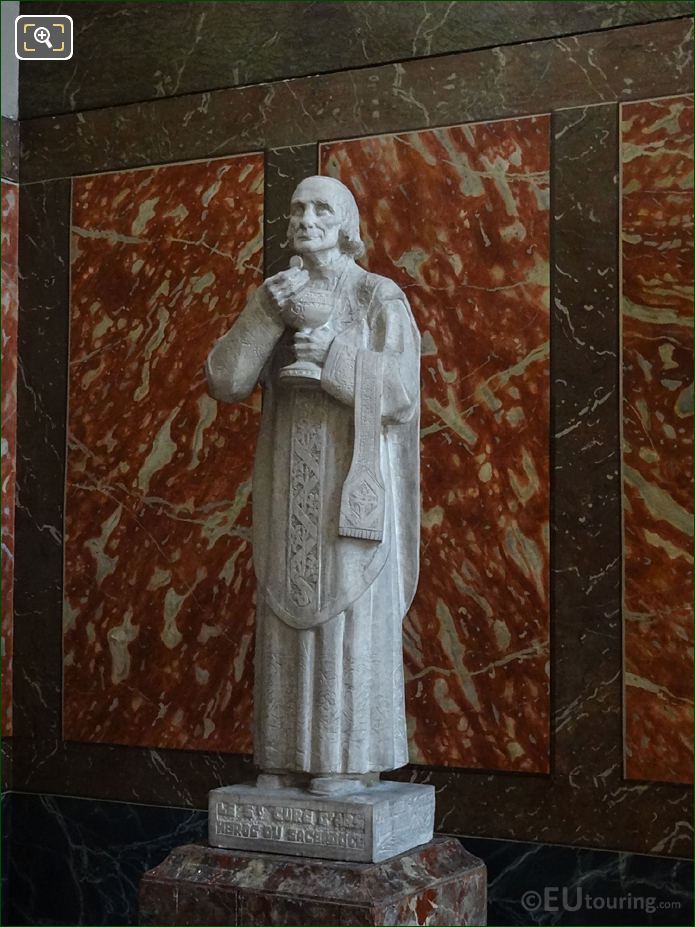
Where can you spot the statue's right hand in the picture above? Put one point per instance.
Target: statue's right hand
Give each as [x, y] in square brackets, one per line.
[282, 287]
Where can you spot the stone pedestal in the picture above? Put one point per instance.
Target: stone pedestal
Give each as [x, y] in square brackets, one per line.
[364, 824]
[436, 884]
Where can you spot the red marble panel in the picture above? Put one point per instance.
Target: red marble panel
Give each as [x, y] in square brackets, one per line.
[657, 448]
[158, 615]
[459, 218]
[10, 219]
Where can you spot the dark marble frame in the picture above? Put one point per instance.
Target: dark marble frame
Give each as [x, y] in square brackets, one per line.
[584, 801]
[514, 80]
[9, 168]
[92, 855]
[139, 51]
[10, 149]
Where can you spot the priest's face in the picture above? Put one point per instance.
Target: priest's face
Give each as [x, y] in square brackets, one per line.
[316, 217]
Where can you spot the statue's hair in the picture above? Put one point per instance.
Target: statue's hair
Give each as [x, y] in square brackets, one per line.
[349, 237]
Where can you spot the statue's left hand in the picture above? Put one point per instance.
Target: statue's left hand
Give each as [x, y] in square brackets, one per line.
[313, 345]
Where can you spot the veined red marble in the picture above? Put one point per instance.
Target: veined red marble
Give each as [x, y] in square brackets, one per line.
[10, 219]
[459, 218]
[657, 405]
[158, 617]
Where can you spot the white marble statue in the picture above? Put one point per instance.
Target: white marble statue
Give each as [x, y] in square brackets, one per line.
[335, 499]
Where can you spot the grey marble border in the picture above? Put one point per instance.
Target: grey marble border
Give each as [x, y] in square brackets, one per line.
[587, 663]
[10, 149]
[129, 52]
[490, 84]
[44, 220]
[6, 754]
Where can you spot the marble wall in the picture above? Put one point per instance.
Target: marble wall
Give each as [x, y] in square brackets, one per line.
[657, 416]
[459, 218]
[10, 219]
[158, 579]
[134, 477]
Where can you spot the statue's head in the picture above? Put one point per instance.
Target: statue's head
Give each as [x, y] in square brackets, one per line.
[323, 215]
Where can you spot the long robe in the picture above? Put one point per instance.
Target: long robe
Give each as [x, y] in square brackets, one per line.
[328, 694]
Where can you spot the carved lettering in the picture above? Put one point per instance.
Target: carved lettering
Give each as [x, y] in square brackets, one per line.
[290, 824]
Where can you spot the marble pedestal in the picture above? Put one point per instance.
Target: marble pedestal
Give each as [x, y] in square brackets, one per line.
[436, 884]
[362, 824]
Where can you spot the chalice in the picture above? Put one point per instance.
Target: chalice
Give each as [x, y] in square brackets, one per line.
[309, 309]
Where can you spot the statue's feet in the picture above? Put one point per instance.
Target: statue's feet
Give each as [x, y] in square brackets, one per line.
[340, 785]
[280, 781]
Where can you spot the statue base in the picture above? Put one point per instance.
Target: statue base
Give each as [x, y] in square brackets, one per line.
[436, 884]
[367, 823]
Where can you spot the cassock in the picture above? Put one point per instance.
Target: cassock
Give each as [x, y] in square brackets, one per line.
[336, 513]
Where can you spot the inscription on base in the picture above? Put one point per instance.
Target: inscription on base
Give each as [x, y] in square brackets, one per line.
[290, 824]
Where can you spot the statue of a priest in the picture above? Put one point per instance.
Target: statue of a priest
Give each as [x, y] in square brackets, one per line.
[335, 497]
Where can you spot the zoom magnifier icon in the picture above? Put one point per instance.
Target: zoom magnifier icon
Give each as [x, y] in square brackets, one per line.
[43, 38]
[42, 35]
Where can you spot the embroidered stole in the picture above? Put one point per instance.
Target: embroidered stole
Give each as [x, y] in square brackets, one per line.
[363, 498]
